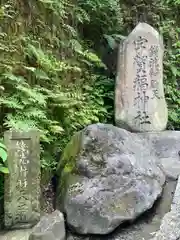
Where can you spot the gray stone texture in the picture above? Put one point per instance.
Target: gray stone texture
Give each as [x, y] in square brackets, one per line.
[15, 234]
[166, 146]
[170, 226]
[143, 228]
[22, 185]
[50, 227]
[140, 104]
[109, 176]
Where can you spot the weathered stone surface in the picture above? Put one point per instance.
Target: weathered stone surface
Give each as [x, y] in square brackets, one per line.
[15, 235]
[22, 185]
[170, 227]
[166, 146]
[50, 227]
[140, 103]
[145, 227]
[109, 176]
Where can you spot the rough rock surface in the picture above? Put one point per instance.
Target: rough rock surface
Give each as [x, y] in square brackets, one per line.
[145, 227]
[166, 146]
[170, 227]
[50, 227]
[109, 176]
[15, 234]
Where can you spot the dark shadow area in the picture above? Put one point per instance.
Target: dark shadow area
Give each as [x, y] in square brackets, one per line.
[47, 192]
[1, 201]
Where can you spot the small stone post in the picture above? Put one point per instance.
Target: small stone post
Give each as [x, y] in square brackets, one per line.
[22, 184]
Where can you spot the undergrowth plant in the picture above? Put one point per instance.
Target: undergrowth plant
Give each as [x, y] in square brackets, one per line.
[3, 169]
[46, 74]
[3, 158]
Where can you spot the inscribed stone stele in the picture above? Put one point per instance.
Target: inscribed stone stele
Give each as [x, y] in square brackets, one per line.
[22, 185]
[140, 104]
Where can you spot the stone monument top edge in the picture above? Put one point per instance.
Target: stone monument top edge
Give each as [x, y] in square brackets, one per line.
[145, 28]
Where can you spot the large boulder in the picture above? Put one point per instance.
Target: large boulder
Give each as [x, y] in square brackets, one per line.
[107, 176]
[145, 227]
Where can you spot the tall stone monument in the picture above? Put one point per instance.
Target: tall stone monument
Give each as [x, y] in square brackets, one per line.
[140, 104]
[22, 184]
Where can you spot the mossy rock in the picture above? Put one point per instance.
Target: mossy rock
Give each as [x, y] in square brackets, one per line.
[104, 179]
[66, 169]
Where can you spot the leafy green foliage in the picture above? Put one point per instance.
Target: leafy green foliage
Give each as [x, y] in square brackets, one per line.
[172, 75]
[47, 73]
[3, 158]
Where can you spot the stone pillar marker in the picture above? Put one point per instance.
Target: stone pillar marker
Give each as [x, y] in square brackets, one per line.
[22, 184]
[140, 104]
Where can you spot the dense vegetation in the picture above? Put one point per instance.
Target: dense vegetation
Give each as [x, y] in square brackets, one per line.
[58, 59]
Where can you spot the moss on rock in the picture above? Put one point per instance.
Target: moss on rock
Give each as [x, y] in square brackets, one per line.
[68, 160]
[66, 169]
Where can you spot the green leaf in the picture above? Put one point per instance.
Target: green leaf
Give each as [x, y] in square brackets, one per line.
[56, 129]
[31, 69]
[2, 145]
[41, 74]
[119, 37]
[111, 41]
[4, 170]
[3, 154]
[14, 79]
[11, 102]
[175, 71]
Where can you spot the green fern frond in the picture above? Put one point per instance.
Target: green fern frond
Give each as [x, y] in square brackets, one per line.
[56, 129]
[36, 113]
[40, 74]
[11, 102]
[18, 123]
[33, 94]
[12, 79]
